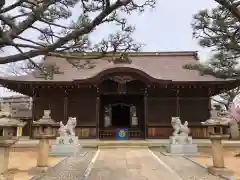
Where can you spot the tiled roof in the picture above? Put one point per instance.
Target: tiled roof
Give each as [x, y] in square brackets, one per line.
[160, 66]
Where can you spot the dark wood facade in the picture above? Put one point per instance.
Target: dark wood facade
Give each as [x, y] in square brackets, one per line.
[155, 105]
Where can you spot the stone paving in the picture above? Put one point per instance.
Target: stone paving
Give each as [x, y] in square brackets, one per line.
[185, 168]
[72, 168]
[126, 164]
[129, 164]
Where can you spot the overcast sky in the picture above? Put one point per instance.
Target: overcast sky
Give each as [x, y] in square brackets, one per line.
[166, 28]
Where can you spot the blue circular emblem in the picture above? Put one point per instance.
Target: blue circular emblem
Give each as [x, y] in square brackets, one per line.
[122, 133]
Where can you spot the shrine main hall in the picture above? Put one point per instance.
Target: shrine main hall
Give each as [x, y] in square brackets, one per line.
[135, 92]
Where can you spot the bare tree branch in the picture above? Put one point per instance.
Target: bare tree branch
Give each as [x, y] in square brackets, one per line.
[55, 38]
[11, 7]
[230, 6]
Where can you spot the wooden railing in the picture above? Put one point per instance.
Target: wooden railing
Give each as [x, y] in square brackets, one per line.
[135, 134]
[107, 134]
[83, 132]
[86, 132]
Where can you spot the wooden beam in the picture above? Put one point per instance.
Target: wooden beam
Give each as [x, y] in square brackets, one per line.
[145, 116]
[34, 98]
[174, 98]
[97, 116]
[65, 106]
[177, 104]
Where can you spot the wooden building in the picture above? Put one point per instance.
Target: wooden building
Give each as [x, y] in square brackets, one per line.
[140, 92]
[19, 106]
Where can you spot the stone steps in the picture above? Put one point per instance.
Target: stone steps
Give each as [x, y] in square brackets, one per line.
[121, 146]
[150, 143]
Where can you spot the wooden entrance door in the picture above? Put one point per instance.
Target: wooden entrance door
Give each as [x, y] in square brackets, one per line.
[117, 108]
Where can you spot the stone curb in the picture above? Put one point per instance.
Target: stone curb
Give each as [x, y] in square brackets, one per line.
[90, 144]
[205, 167]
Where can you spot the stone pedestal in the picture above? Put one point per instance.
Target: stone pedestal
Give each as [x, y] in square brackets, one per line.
[43, 150]
[4, 159]
[217, 152]
[65, 146]
[4, 153]
[181, 145]
[218, 167]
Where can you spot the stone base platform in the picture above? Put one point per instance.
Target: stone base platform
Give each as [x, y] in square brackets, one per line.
[65, 146]
[222, 172]
[187, 155]
[63, 140]
[64, 150]
[123, 147]
[182, 149]
[93, 143]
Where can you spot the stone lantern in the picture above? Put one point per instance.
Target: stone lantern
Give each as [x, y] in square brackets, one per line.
[44, 132]
[10, 126]
[217, 122]
[45, 125]
[216, 135]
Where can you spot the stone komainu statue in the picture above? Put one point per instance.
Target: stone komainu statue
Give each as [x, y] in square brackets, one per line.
[179, 128]
[69, 128]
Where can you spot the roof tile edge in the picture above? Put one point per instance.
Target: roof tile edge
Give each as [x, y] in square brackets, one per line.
[160, 53]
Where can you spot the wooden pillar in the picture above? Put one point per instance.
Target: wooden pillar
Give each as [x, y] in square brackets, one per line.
[97, 116]
[19, 131]
[209, 102]
[145, 115]
[177, 104]
[65, 106]
[34, 98]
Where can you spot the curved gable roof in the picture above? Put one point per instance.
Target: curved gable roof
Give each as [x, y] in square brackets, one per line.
[161, 66]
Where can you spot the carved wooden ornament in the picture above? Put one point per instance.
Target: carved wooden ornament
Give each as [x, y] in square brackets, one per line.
[122, 79]
[47, 71]
[123, 59]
